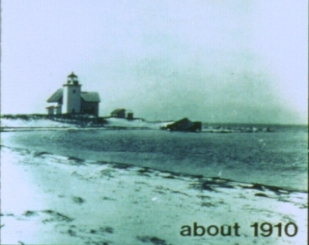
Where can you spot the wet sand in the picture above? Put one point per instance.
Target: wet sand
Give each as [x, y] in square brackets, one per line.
[53, 199]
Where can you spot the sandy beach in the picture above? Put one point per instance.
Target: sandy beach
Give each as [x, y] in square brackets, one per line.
[53, 199]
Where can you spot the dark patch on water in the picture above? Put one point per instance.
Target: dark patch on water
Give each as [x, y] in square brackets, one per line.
[199, 176]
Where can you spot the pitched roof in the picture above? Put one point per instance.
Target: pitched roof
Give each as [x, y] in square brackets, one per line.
[117, 111]
[72, 75]
[181, 124]
[86, 96]
[56, 96]
[90, 96]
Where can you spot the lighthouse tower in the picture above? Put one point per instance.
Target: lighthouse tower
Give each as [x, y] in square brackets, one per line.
[71, 95]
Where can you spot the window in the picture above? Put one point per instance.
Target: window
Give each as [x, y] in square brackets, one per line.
[74, 91]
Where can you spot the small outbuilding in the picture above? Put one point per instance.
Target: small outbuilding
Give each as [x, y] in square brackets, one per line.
[122, 113]
[130, 115]
[118, 113]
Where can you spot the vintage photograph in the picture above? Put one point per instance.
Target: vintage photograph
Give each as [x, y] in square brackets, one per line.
[147, 122]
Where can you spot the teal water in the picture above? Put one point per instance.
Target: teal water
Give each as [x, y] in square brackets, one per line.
[279, 158]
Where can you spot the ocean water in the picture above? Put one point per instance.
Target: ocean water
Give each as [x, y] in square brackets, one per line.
[278, 158]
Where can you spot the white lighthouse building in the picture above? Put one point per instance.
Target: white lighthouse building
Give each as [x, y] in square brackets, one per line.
[71, 100]
[71, 95]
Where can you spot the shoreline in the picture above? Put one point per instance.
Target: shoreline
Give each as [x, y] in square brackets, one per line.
[217, 180]
[94, 147]
[120, 204]
[28, 122]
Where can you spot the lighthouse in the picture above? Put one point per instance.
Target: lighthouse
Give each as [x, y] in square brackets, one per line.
[71, 95]
[71, 100]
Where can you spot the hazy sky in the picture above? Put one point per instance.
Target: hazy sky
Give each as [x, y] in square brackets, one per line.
[209, 60]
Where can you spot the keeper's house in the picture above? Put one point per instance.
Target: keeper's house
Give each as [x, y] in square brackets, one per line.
[71, 100]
